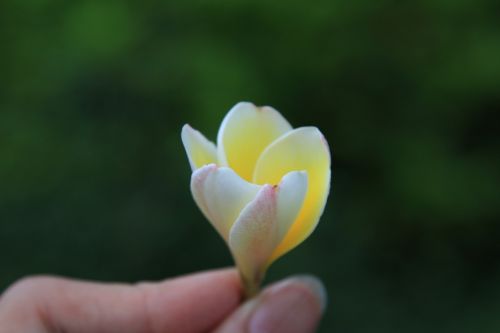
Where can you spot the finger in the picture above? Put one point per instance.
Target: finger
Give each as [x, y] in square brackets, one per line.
[194, 303]
[294, 305]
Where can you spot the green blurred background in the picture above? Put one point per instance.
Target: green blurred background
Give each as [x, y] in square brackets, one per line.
[94, 179]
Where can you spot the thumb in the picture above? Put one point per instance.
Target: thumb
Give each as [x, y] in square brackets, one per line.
[294, 305]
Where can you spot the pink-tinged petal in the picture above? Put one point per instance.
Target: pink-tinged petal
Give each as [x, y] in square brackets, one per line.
[221, 195]
[244, 133]
[199, 150]
[264, 222]
[254, 235]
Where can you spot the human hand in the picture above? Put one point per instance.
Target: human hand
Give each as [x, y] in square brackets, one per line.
[203, 302]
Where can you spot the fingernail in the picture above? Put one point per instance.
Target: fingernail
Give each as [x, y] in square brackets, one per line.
[294, 305]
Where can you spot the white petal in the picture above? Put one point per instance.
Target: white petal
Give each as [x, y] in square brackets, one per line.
[199, 150]
[245, 132]
[221, 195]
[291, 194]
[264, 222]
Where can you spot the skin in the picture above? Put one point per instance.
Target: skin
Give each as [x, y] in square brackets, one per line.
[203, 302]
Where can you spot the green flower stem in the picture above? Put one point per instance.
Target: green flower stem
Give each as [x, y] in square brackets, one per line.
[251, 286]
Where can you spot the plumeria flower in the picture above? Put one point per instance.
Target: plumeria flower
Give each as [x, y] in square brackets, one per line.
[263, 187]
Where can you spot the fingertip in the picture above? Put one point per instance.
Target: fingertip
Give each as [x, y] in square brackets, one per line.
[312, 284]
[294, 305]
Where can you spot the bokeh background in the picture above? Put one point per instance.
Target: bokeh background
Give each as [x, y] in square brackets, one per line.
[94, 179]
